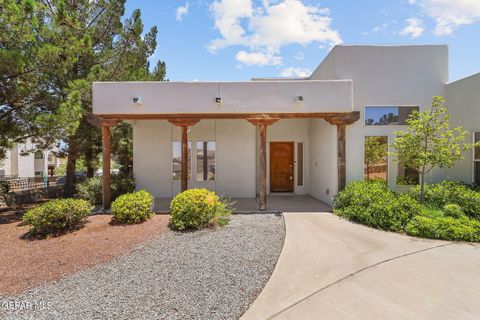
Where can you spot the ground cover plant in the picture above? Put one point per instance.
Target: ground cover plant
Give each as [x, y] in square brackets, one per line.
[451, 210]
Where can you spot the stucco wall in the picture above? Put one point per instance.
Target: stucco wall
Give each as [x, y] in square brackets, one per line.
[384, 76]
[323, 160]
[234, 157]
[463, 102]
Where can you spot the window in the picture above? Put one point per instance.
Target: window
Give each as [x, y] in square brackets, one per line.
[300, 164]
[476, 160]
[407, 176]
[375, 163]
[38, 155]
[177, 160]
[205, 160]
[38, 173]
[382, 116]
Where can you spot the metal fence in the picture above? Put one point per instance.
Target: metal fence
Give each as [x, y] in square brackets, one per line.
[19, 184]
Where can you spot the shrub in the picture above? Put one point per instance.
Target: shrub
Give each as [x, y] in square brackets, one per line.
[133, 207]
[445, 228]
[198, 208]
[449, 192]
[57, 216]
[91, 189]
[453, 211]
[373, 204]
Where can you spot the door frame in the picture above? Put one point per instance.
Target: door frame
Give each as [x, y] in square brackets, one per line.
[293, 144]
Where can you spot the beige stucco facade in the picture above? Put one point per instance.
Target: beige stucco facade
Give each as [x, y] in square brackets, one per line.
[349, 79]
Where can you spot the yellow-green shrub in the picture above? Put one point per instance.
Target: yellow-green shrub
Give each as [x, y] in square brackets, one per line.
[133, 207]
[57, 216]
[198, 208]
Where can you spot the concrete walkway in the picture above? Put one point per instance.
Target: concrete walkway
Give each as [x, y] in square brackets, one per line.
[333, 269]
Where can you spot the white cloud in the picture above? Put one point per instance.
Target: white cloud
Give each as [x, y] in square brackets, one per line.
[414, 28]
[299, 56]
[295, 72]
[266, 58]
[450, 14]
[182, 11]
[264, 29]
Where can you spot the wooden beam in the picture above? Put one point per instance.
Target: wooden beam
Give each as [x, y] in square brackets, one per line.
[184, 122]
[176, 117]
[262, 201]
[106, 192]
[341, 156]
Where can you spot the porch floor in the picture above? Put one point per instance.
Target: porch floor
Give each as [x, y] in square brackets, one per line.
[275, 203]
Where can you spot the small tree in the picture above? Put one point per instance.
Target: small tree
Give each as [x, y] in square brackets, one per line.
[375, 152]
[429, 142]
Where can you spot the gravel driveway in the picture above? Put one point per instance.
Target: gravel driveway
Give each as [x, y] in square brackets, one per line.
[209, 274]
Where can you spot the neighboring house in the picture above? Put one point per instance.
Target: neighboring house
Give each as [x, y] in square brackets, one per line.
[298, 136]
[26, 160]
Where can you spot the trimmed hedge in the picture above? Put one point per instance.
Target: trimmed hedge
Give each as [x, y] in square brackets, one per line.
[91, 189]
[373, 204]
[133, 207]
[198, 208]
[57, 216]
[446, 228]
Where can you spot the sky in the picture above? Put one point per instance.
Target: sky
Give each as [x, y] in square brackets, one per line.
[205, 40]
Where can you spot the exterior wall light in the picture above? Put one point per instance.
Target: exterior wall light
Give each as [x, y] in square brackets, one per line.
[137, 100]
[299, 99]
[218, 100]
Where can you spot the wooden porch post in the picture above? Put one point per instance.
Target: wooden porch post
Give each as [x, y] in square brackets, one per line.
[341, 121]
[262, 201]
[262, 122]
[341, 157]
[185, 164]
[184, 123]
[106, 188]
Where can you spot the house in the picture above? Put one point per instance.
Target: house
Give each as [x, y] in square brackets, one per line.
[294, 136]
[27, 160]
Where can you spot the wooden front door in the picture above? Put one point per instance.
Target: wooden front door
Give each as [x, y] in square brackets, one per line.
[281, 166]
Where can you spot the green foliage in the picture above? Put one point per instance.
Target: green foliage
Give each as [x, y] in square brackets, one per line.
[91, 189]
[446, 228]
[429, 142]
[57, 216]
[198, 208]
[373, 204]
[453, 211]
[133, 207]
[450, 192]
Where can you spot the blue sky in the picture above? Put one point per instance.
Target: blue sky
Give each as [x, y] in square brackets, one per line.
[240, 39]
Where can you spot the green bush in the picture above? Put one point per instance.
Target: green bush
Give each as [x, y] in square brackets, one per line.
[57, 216]
[453, 211]
[91, 189]
[198, 208]
[373, 204]
[450, 192]
[445, 228]
[133, 207]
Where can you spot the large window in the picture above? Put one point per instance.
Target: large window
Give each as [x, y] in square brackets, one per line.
[205, 160]
[382, 116]
[38, 155]
[177, 160]
[407, 176]
[476, 160]
[376, 158]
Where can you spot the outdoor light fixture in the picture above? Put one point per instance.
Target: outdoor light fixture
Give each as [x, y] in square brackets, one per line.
[137, 100]
[299, 99]
[218, 100]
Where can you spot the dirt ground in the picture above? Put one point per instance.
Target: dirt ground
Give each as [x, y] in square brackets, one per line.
[28, 263]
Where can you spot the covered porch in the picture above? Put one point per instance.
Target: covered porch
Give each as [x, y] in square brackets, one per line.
[243, 169]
